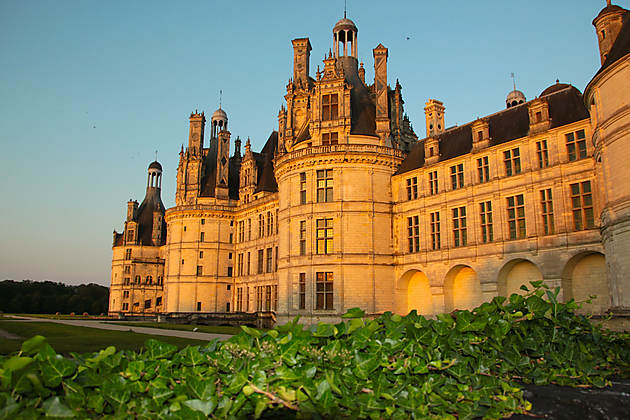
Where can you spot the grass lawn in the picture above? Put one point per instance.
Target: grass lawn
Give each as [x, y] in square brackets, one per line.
[218, 329]
[63, 316]
[65, 338]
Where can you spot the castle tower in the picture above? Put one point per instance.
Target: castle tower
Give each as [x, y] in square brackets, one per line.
[381, 92]
[301, 61]
[190, 162]
[608, 23]
[434, 115]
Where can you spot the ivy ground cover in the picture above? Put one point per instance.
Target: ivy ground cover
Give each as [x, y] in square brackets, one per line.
[467, 364]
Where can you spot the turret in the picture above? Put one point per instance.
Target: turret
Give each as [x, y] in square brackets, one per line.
[608, 23]
[380, 91]
[195, 135]
[434, 115]
[301, 61]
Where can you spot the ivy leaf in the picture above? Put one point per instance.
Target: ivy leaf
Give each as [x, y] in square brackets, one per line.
[16, 363]
[251, 331]
[324, 330]
[354, 313]
[158, 350]
[54, 369]
[201, 388]
[206, 407]
[32, 345]
[115, 391]
[53, 407]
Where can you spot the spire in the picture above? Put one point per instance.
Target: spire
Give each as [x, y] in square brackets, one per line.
[220, 97]
[345, 6]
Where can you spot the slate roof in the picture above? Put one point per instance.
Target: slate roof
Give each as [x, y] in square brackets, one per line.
[565, 106]
[152, 202]
[264, 161]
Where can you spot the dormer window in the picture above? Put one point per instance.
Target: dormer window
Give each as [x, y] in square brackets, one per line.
[431, 152]
[330, 107]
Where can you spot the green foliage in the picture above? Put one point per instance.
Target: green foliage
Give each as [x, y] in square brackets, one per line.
[465, 364]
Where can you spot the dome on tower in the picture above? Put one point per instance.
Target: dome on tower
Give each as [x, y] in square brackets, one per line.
[219, 114]
[155, 165]
[554, 88]
[345, 23]
[516, 97]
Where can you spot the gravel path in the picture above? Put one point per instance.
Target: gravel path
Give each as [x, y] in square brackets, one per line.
[140, 330]
[8, 336]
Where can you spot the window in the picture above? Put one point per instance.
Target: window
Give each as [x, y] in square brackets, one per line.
[485, 213]
[324, 291]
[137, 279]
[277, 224]
[227, 306]
[130, 235]
[269, 223]
[125, 307]
[546, 202]
[303, 188]
[202, 236]
[516, 216]
[184, 228]
[249, 229]
[330, 107]
[512, 160]
[182, 261]
[200, 254]
[147, 304]
[413, 233]
[158, 301]
[126, 281]
[229, 287]
[267, 298]
[302, 291]
[435, 230]
[324, 185]
[576, 145]
[259, 298]
[239, 299]
[239, 262]
[542, 153]
[149, 280]
[433, 182]
[269, 265]
[457, 176]
[126, 294]
[261, 225]
[302, 237]
[260, 260]
[483, 169]
[229, 271]
[241, 231]
[203, 221]
[330, 138]
[324, 236]
[249, 255]
[200, 270]
[231, 237]
[128, 254]
[198, 306]
[582, 205]
[274, 291]
[412, 188]
[127, 269]
[460, 236]
[275, 266]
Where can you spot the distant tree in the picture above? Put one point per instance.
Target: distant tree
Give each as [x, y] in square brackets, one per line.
[47, 297]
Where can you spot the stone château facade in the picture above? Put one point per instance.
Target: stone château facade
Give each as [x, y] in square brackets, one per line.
[345, 207]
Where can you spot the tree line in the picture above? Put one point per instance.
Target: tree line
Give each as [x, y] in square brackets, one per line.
[47, 297]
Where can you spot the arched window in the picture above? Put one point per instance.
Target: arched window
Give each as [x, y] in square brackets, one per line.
[149, 280]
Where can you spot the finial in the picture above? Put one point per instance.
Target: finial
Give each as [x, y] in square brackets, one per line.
[345, 4]
[156, 155]
[220, 97]
[513, 80]
[557, 81]
[608, 3]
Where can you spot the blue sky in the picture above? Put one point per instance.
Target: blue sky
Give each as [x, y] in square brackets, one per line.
[90, 89]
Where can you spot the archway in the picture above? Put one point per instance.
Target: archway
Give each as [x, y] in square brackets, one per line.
[413, 292]
[516, 273]
[585, 274]
[462, 289]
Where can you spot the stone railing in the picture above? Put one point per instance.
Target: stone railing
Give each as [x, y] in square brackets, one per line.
[339, 148]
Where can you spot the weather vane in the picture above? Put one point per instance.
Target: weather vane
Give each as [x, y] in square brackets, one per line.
[513, 80]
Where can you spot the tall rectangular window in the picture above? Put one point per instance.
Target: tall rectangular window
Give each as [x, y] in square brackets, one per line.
[460, 234]
[576, 145]
[249, 229]
[240, 264]
[269, 260]
[433, 182]
[303, 188]
[516, 216]
[413, 233]
[239, 299]
[130, 235]
[202, 236]
[330, 107]
[269, 223]
[435, 230]
[200, 270]
[324, 291]
[546, 202]
[249, 258]
[542, 153]
[324, 185]
[261, 258]
[302, 237]
[485, 213]
[324, 236]
[302, 292]
[412, 188]
[330, 138]
[582, 205]
[483, 169]
[457, 176]
[128, 254]
[267, 298]
[261, 225]
[259, 298]
[512, 160]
